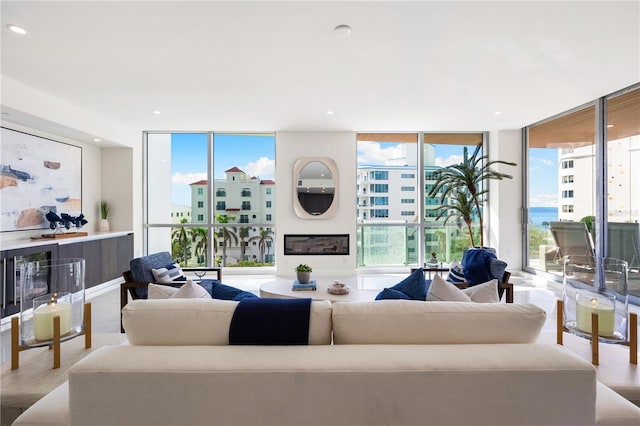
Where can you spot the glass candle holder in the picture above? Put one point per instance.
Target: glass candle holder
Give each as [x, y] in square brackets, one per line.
[596, 287]
[603, 304]
[45, 308]
[51, 288]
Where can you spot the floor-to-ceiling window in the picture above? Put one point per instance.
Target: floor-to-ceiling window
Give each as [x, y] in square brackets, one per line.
[622, 113]
[387, 199]
[210, 197]
[397, 220]
[447, 240]
[581, 163]
[561, 187]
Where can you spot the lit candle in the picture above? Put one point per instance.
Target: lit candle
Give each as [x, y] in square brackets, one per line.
[43, 319]
[601, 306]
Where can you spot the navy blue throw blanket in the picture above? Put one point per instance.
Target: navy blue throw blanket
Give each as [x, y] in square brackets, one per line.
[270, 322]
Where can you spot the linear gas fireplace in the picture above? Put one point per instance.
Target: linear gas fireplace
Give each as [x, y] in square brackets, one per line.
[316, 244]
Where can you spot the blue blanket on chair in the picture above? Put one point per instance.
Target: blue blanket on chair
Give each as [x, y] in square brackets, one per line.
[270, 322]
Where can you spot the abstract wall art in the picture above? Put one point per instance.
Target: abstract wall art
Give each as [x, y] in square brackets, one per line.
[37, 176]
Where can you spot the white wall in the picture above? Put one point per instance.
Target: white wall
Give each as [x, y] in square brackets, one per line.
[504, 228]
[341, 146]
[116, 186]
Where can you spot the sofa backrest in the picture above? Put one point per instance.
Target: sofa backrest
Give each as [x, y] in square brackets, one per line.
[178, 322]
[416, 322]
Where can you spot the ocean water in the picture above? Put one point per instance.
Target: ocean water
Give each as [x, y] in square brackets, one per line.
[538, 215]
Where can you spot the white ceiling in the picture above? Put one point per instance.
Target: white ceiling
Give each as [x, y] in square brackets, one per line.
[269, 66]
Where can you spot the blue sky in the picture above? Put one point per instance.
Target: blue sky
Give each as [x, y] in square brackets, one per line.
[255, 155]
[543, 177]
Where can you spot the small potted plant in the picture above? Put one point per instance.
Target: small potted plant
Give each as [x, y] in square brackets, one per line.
[303, 273]
[104, 214]
[434, 258]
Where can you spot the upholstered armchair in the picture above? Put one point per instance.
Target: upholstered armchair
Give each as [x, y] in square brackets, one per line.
[141, 273]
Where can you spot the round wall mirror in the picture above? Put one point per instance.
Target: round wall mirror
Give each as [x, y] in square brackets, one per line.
[315, 187]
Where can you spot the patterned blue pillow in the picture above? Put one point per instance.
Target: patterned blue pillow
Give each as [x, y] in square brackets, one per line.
[455, 273]
[169, 273]
[389, 293]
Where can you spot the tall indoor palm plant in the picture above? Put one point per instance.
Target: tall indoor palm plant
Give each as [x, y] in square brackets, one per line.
[460, 207]
[470, 177]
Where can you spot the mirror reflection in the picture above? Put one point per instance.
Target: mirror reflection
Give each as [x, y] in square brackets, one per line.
[315, 188]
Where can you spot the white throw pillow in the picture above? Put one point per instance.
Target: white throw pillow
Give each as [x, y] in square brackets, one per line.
[191, 290]
[441, 290]
[157, 291]
[483, 293]
[167, 275]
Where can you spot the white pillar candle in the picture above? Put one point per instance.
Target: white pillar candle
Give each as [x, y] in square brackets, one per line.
[43, 320]
[601, 306]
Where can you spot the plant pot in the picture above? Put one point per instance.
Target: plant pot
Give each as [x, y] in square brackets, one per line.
[104, 225]
[303, 277]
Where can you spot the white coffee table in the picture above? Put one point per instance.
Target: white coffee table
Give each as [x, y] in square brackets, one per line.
[281, 288]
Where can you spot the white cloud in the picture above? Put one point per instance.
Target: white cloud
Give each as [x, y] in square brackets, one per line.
[187, 178]
[543, 200]
[264, 168]
[452, 159]
[544, 161]
[373, 153]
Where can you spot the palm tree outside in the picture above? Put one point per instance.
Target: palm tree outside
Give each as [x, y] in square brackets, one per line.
[243, 235]
[263, 238]
[181, 244]
[200, 236]
[228, 234]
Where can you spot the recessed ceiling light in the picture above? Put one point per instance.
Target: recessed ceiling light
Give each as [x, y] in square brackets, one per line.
[16, 29]
[156, 112]
[329, 112]
[610, 125]
[97, 139]
[497, 113]
[342, 30]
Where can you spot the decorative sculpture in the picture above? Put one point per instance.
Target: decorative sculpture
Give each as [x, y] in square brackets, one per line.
[64, 222]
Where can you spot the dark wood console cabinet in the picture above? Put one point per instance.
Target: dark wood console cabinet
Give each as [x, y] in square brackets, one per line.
[105, 259]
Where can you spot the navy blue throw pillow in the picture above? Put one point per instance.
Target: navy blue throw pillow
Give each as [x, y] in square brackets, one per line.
[217, 290]
[244, 295]
[389, 293]
[414, 286]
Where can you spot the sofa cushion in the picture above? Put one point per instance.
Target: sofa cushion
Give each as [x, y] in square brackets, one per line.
[354, 385]
[172, 322]
[414, 322]
[414, 286]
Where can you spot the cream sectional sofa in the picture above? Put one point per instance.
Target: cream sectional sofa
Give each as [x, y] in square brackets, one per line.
[367, 363]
